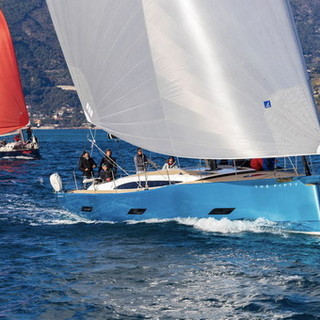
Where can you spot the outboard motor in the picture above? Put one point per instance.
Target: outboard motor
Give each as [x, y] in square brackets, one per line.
[56, 182]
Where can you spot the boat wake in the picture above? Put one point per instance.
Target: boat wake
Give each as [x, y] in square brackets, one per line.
[58, 217]
[35, 216]
[229, 226]
[20, 209]
[226, 226]
[17, 157]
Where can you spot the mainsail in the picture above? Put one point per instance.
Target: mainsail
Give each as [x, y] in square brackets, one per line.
[192, 78]
[13, 111]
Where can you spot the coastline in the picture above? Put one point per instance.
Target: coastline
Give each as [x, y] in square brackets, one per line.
[56, 128]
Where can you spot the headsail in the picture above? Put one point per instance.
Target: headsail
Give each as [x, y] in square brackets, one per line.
[193, 78]
[13, 111]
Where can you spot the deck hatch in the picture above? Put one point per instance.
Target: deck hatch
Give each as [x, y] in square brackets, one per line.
[221, 211]
[86, 209]
[137, 211]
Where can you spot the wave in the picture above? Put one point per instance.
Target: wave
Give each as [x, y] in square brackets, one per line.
[219, 226]
[226, 226]
[58, 217]
[229, 226]
[17, 157]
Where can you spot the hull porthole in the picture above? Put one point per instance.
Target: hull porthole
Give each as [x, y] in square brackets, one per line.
[137, 211]
[221, 211]
[86, 209]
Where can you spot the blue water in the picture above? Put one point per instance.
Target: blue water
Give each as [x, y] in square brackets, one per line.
[54, 265]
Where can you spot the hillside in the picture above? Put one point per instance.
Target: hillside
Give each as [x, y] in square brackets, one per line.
[43, 68]
[41, 64]
[307, 17]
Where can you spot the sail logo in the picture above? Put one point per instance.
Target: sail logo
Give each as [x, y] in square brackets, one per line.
[267, 104]
[88, 110]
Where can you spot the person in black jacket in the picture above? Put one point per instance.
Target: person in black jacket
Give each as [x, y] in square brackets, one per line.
[110, 162]
[106, 174]
[86, 165]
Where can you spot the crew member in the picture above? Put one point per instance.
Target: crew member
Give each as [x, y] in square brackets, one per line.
[141, 162]
[86, 165]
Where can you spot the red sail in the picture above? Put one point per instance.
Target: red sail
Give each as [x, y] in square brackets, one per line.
[13, 111]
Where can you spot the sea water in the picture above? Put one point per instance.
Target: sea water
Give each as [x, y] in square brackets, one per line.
[55, 265]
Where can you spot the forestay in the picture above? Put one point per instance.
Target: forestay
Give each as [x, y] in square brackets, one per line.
[194, 78]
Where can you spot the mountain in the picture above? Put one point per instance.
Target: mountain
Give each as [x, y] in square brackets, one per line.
[42, 65]
[43, 69]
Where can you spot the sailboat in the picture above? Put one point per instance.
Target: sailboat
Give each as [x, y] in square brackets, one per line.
[16, 137]
[205, 79]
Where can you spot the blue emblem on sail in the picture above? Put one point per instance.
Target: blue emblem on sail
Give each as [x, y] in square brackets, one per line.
[267, 104]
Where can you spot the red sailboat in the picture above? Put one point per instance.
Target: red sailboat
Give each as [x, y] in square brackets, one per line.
[13, 111]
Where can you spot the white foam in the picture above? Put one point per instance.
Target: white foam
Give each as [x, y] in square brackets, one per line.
[149, 221]
[228, 226]
[222, 226]
[310, 233]
[41, 180]
[60, 217]
[17, 157]
[30, 211]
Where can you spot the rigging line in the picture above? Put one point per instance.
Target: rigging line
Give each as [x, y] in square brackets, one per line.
[201, 175]
[235, 167]
[101, 151]
[310, 160]
[293, 166]
[168, 175]
[75, 180]
[139, 181]
[93, 141]
[156, 169]
[73, 177]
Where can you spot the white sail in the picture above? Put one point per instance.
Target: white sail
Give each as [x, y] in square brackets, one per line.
[193, 78]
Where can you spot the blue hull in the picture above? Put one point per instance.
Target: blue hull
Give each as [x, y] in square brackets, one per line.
[296, 199]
